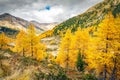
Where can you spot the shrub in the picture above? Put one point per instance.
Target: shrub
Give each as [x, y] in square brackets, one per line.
[89, 77]
[51, 76]
[28, 61]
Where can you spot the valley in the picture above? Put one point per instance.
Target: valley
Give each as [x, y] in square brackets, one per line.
[83, 47]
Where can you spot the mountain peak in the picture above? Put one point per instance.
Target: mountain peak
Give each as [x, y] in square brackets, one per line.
[5, 14]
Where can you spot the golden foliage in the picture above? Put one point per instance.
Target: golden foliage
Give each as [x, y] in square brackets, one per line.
[48, 33]
[99, 46]
[28, 44]
[4, 41]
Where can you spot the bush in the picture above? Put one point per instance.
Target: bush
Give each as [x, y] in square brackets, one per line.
[89, 77]
[62, 76]
[28, 61]
[51, 76]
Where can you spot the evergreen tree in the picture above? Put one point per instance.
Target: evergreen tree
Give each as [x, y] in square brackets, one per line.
[80, 63]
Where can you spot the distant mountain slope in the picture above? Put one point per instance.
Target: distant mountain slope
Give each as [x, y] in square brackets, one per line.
[91, 17]
[44, 26]
[8, 31]
[15, 23]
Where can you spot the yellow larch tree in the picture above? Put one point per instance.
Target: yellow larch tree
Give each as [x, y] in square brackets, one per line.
[40, 51]
[63, 57]
[34, 48]
[79, 45]
[104, 47]
[20, 44]
[115, 74]
[4, 41]
[28, 44]
[71, 45]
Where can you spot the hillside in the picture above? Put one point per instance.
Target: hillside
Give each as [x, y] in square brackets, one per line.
[91, 17]
[8, 31]
[9, 21]
[16, 67]
[44, 26]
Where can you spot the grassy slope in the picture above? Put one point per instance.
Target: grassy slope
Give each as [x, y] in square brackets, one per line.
[16, 67]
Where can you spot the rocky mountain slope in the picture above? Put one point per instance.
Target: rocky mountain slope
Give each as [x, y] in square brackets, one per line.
[9, 21]
[91, 17]
[44, 26]
[13, 22]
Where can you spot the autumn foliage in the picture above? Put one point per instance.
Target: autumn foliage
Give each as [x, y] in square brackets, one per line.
[4, 41]
[95, 49]
[99, 47]
[28, 44]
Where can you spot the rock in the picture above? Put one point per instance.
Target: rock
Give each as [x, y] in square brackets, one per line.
[7, 55]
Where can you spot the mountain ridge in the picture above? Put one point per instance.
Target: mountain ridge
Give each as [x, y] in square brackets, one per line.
[17, 23]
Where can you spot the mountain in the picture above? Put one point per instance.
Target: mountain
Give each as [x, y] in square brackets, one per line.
[44, 26]
[91, 17]
[13, 22]
[9, 22]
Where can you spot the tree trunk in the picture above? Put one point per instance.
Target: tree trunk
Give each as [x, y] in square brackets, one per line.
[105, 66]
[31, 48]
[105, 72]
[23, 52]
[67, 61]
[113, 75]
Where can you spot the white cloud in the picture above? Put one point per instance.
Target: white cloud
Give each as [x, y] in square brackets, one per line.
[35, 9]
[48, 15]
[43, 16]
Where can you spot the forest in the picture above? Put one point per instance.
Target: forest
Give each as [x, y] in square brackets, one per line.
[91, 53]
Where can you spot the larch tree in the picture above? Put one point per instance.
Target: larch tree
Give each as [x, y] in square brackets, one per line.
[70, 47]
[32, 39]
[63, 57]
[20, 43]
[104, 47]
[116, 45]
[79, 44]
[4, 41]
[82, 40]
[34, 47]
[28, 44]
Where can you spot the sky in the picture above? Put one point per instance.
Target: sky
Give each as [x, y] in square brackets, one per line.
[46, 11]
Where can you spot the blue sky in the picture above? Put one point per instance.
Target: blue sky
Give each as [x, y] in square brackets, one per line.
[46, 11]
